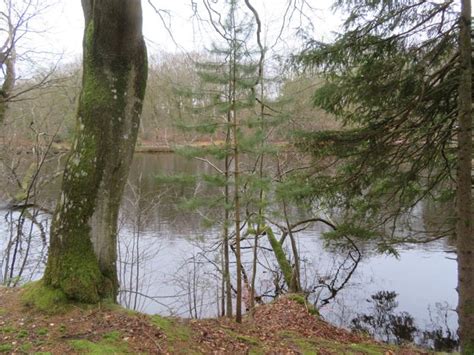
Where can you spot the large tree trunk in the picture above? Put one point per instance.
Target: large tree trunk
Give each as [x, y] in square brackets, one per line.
[82, 255]
[8, 65]
[465, 239]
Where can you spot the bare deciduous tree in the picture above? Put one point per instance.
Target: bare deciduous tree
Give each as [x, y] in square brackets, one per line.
[83, 246]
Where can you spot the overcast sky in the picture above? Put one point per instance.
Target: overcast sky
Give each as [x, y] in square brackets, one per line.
[64, 23]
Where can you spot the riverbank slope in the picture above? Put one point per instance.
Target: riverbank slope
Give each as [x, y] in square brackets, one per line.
[285, 326]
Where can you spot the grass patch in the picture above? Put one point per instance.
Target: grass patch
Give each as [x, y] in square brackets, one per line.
[114, 336]
[105, 346]
[6, 348]
[368, 349]
[7, 329]
[248, 339]
[42, 331]
[256, 351]
[43, 298]
[306, 347]
[22, 334]
[354, 348]
[243, 338]
[26, 347]
[312, 346]
[172, 328]
[176, 333]
[254, 344]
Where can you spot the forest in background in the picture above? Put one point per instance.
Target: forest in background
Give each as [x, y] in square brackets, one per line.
[169, 104]
[358, 132]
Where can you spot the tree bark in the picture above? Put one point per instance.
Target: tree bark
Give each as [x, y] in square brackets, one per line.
[83, 245]
[228, 285]
[9, 61]
[465, 239]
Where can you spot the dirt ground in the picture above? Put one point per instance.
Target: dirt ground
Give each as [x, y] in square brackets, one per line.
[282, 327]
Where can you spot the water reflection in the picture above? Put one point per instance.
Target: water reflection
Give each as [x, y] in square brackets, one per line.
[171, 263]
[384, 322]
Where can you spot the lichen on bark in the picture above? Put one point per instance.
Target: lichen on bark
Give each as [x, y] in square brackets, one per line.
[82, 258]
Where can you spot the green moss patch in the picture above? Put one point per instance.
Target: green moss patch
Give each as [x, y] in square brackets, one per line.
[177, 333]
[43, 298]
[305, 347]
[368, 349]
[280, 256]
[174, 330]
[243, 338]
[255, 346]
[105, 346]
[311, 346]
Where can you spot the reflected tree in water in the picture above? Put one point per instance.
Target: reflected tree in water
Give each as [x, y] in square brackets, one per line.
[385, 323]
[135, 249]
[27, 212]
[440, 337]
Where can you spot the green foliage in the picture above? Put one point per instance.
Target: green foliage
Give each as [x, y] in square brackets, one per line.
[218, 152]
[391, 80]
[221, 112]
[350, 230]
[214, 180]
[203, 202]
[297, 188]
[180, 179]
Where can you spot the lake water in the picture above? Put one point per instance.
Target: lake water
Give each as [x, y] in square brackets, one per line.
[169, 259]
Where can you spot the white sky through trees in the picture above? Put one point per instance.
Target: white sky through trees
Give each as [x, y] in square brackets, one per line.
[64, 25]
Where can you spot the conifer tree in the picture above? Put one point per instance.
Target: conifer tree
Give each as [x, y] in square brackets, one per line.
[226, 92]
[399, 79]
[232, 85]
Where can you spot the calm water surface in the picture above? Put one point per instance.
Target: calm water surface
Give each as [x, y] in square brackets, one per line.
[169, 258]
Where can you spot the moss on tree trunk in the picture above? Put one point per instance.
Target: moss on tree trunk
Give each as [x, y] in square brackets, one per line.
[281, 259]
[82, 256]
